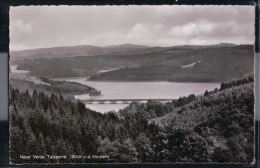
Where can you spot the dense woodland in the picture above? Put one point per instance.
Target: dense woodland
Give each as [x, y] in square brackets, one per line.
[217, 126]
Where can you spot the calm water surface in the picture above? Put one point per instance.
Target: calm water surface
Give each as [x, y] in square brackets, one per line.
[139, 90]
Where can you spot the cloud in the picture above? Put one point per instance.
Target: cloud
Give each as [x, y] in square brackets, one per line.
[23, 27]
[49, 26]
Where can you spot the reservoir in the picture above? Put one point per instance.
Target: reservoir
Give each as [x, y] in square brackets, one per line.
[126, 90]
[138, 90]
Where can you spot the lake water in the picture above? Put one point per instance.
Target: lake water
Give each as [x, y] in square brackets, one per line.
[126, 90]
[139, 90]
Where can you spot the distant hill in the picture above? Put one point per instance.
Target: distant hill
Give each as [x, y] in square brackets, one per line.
[90, 50]
[72, 51]
[128, 46]
[212, 63]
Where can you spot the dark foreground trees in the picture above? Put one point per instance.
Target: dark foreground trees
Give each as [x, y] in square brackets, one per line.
[217, 126]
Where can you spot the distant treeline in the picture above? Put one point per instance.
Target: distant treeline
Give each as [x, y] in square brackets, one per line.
[217, 126]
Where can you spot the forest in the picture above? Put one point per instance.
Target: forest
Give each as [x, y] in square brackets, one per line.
[217, 126]
[67, 89]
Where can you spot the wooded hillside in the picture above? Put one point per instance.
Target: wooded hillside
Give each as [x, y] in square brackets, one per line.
[215, 127]
[182, 64]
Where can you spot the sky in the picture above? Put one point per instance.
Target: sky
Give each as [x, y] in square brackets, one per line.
[52, 26]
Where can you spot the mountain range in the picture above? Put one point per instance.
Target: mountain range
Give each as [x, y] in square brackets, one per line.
[129, 62]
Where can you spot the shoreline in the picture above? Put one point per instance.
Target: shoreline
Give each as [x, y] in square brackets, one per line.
[125, 81]
[170, 81]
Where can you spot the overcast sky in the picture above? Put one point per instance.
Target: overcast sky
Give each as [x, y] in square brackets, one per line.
[50, 26]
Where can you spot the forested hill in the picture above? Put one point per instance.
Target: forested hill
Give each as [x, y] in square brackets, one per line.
[72, 51]
[215, 63]
[67, 89]
[217, 126]
[90, 50]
